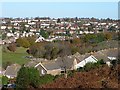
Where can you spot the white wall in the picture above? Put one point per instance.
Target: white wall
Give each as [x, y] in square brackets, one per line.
[89, 59]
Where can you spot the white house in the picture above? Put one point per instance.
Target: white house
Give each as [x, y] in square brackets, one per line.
[3, 27]
[91, 58]
[40, 39]
[10, 34]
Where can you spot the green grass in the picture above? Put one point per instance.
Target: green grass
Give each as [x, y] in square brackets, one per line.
[15, 57]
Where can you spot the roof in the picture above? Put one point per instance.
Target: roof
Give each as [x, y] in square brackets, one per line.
[31, 64]
[79, 57]
[12, 70]
[51, 65]
[111, 52]
[66, 62]
[34, 62]
[59, 63]
[99, 55]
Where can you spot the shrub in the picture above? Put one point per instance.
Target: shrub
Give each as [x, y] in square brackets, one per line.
[23, 42]
[81, 69]
[89, 66]
[46, 79]
[12, 47]
[26, 77]
[4, 80]
[71, 73]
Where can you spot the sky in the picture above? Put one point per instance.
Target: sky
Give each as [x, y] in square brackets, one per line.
[60, 9]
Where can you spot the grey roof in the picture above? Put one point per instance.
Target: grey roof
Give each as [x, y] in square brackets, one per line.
[86, 55]
[31, 64]
[111, 52]
[60, 63]
[65, 62]
[99, 55]
[12, 70]
[51, 65]
[35, 62]
[79, 57]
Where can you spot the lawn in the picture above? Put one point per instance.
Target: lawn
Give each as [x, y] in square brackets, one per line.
[15, 57]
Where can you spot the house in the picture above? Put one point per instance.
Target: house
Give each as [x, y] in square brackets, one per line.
[40, 39]
[112, 54]
[3, 27]
[54, 67]
[107, 55]
[100, 56]
[90, 58]
[11, 71]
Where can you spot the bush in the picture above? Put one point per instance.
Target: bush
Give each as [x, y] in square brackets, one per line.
[4, 80]
[12, 47]
[81, 69]
[44, 33]
[101, 62]
[27, 77]
[91, 65]
[71, 73]
[46, 79]
[23, 42]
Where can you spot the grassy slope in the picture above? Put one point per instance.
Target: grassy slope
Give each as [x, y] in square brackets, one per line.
[15, 57]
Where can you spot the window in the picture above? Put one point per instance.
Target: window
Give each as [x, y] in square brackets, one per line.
[42, 72]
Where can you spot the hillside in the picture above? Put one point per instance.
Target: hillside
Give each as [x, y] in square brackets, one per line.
[103, 77]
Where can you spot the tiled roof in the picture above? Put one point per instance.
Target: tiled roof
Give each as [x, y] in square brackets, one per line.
[12, 70]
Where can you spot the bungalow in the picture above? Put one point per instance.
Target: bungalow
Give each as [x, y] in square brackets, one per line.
[53, 67]
[100, 56]
[90, 58]
[112, 54]
[11, 71]
[107, 55]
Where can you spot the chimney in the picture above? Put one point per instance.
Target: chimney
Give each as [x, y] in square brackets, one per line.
[74, 64]
[91, 53]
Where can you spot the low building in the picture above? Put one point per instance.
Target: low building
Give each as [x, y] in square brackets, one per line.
[12, 70]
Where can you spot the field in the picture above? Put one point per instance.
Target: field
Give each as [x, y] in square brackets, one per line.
[15, 57]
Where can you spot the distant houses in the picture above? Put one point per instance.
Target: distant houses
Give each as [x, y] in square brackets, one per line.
[18, 27]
